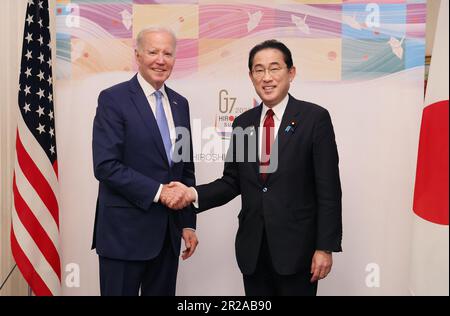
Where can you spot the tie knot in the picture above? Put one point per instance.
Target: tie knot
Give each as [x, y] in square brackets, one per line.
[158, 94]
[269, 113]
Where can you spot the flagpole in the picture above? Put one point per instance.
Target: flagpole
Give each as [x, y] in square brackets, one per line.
[30, 292]
[7, 277]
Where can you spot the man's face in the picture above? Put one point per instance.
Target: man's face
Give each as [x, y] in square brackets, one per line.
[156, 57]
[270, 76]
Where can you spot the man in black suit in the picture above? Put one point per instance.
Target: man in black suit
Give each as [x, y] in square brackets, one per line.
[290, 222]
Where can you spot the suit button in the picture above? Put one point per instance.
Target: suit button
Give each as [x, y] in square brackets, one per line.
[264, 190]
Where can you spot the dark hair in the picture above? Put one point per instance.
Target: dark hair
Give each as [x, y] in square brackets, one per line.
[271, 44]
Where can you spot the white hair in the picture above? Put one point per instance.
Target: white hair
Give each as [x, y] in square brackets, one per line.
[154, 29]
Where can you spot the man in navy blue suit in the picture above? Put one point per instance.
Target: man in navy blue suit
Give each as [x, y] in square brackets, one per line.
[136, 235]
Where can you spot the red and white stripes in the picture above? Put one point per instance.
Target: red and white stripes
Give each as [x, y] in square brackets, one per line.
[35, 215]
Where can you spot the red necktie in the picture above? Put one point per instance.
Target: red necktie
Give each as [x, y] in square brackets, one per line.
[266, 144]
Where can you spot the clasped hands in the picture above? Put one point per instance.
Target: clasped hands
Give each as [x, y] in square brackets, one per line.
[176, 195]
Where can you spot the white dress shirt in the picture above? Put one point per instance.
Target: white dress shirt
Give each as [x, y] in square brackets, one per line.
[149, 94]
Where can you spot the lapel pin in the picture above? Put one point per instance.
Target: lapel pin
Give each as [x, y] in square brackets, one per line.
[252, 130]
[291, 127]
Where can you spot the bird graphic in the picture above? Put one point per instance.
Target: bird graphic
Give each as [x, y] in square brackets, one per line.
[301, 23]
[396, 46]
[352, 22]
[253, 20]
[77, 50]
[127, 18]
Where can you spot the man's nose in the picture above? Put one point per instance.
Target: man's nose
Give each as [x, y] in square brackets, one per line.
[267, 76]
[160, 59]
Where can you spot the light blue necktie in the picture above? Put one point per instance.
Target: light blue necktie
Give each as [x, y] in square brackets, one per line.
[163, 125]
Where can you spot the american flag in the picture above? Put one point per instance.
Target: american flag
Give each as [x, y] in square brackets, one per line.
[35, 214]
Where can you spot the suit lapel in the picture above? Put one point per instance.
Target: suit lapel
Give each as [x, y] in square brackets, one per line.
[176, 114]
[141, 103]
[290, 116]
[255, 121]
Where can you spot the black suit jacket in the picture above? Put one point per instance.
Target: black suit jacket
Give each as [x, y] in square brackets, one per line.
[299, 205]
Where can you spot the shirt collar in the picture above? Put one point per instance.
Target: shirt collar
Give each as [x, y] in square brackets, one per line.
[278, 109]
[148, 88]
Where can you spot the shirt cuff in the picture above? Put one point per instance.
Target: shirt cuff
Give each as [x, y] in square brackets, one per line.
[156, 198]
[195, 203]
[189, 229]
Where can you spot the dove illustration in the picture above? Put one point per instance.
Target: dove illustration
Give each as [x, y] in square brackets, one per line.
[253, 20]
[77, 50]
[301, 23]
[352, 22]
[126, 19]
[396, 46]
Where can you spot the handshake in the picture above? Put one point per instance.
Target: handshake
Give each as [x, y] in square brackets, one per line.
[176, 195]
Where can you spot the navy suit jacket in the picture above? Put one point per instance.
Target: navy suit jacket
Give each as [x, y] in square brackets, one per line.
[299, 205]
[130, 163]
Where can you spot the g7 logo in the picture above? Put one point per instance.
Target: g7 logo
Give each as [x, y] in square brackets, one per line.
[226, 103]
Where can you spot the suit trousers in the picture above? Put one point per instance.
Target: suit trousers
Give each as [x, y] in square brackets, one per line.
[155, 277]
[265, 281]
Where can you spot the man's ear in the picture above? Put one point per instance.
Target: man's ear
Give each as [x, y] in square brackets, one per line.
[292, 73]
